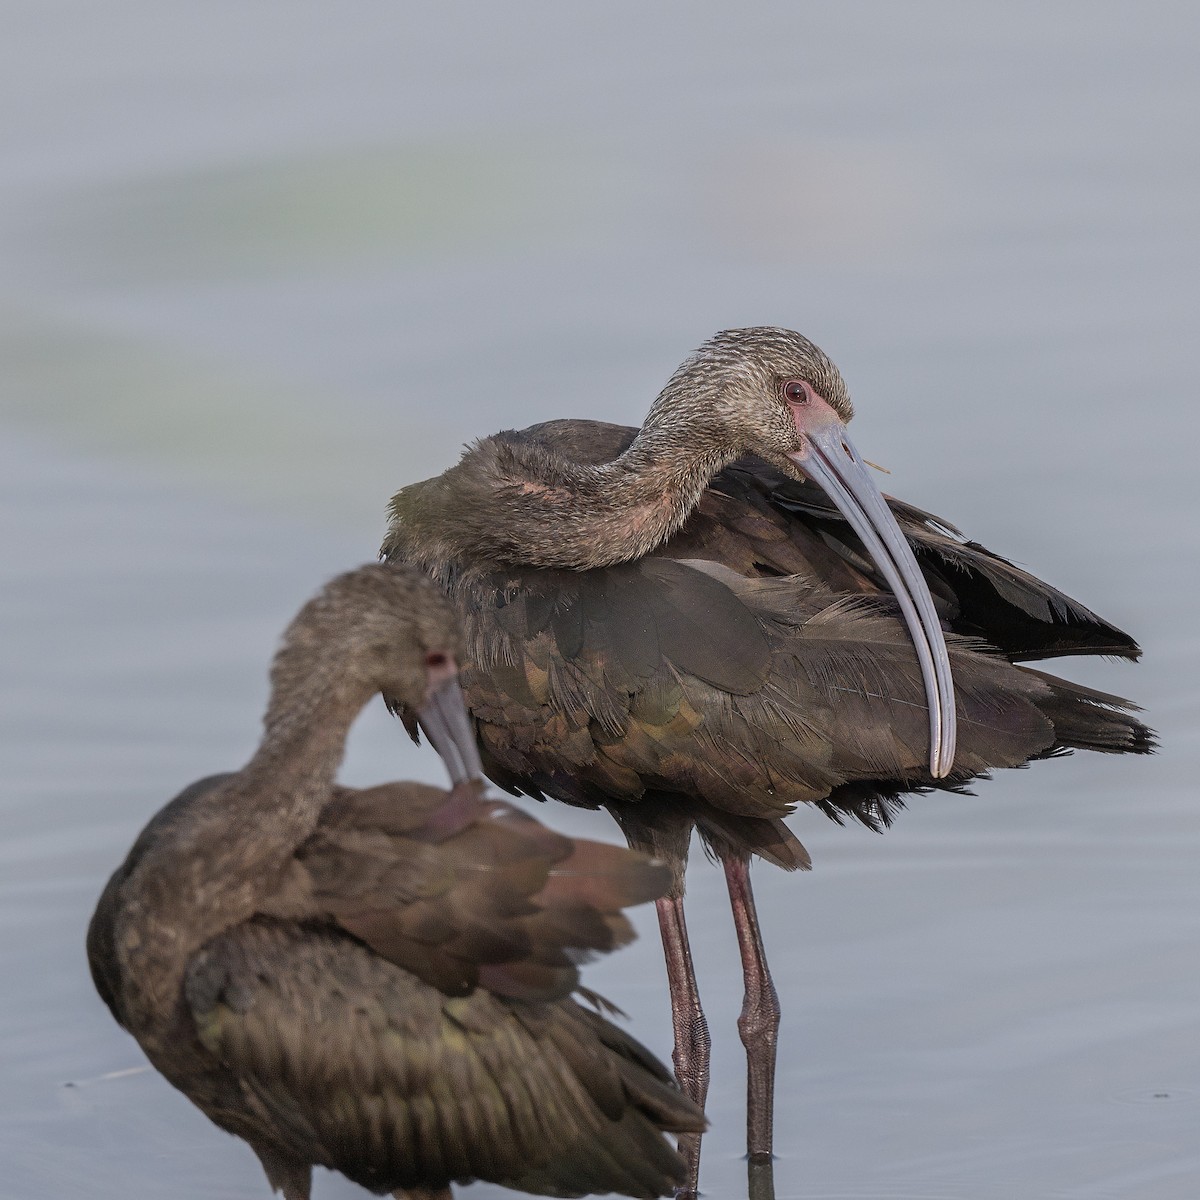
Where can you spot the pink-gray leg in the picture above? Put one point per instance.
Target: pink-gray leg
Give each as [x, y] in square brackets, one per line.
[759, 1022]
[692, 1041]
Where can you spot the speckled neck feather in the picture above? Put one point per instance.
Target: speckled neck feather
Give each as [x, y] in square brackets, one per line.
[511, 500]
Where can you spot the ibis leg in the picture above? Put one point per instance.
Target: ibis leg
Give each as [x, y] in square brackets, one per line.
[692, 1041]
[759, 1022]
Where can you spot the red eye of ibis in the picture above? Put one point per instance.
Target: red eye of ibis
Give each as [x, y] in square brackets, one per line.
[795, 391]
[435, 659]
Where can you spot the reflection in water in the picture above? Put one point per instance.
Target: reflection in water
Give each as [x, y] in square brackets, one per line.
[760, 1179]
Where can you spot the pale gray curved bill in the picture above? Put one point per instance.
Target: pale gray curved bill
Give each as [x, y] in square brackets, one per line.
[444, 719]
[833, 462]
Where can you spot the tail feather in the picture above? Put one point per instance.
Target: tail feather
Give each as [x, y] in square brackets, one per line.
[1086, 719]
[630, 1156]
[604, 876]
[731, 835]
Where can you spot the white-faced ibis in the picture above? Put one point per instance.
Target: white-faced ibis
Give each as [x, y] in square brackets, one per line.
[702, 623]
[379, 981]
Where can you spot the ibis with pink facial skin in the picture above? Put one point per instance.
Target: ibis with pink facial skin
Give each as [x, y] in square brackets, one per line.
[703, 623]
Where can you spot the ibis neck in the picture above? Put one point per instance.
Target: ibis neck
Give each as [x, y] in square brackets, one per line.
[232, 847]
[518, 502]
[628, 507]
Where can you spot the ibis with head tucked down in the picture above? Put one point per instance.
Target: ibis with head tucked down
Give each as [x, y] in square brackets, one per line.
[379, 981]
[705, 622]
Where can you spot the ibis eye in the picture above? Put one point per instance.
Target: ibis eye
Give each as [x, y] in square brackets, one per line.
[796, 391]
[435, 659]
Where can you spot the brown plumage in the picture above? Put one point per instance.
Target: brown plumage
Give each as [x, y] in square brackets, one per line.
[675, 623]
[379, 981]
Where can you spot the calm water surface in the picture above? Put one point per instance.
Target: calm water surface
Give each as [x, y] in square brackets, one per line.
[264, 264]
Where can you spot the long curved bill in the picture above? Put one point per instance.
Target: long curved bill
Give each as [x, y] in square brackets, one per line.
[444, 719]
[831, 461]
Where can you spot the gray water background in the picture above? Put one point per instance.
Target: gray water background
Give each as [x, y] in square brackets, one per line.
[263, 263]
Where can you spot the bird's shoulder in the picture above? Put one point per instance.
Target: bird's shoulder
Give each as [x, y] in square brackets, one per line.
[103, 959]
[577, 439]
